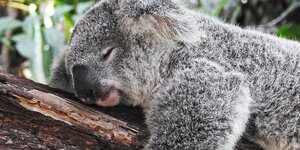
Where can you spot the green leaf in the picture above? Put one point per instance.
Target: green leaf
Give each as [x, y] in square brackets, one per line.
[68, 24]
[61, 10]
[81, 7]
[24, 45]
[235, 14]
[47, 61]
[6, 41]
[206, 7]
[9, 23]
[290, 31]
[28, 24]
[76, 17]
[220, 7]
[38, 70]
[55, 38]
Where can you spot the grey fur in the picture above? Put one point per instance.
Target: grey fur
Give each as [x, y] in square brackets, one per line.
[202, 83]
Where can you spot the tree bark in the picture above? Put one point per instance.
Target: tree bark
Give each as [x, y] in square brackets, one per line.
[35, 116]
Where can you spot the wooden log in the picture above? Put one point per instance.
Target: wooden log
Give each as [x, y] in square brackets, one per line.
[65, 122]
[35, 116]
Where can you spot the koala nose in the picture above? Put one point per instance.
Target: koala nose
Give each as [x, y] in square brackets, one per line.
[84, 83]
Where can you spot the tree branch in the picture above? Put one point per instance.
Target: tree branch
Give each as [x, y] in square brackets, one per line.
[63, 107]
[283, 15]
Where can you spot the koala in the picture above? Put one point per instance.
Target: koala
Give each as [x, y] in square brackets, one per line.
[202, 83]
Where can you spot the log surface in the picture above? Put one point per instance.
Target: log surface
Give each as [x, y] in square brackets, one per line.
[35, 116]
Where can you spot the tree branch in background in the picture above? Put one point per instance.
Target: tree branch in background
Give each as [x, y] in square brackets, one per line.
[291, 8]
[5, 51]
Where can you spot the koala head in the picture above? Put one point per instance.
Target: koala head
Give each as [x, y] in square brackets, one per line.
[119, 51]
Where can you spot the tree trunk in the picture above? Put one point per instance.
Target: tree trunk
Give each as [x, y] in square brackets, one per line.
[36, 116]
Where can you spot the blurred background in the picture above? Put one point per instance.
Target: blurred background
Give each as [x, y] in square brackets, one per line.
[33, 33]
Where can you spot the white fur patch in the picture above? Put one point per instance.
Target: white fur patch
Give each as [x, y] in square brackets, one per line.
[240, 120]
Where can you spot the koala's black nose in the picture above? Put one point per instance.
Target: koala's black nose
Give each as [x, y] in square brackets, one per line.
[84, 82]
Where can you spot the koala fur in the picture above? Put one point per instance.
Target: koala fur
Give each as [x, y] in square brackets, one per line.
[202, 83]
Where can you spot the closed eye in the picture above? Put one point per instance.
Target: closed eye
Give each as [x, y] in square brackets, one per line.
[107, 53]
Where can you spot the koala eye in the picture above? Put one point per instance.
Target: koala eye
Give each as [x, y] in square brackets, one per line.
[107, 53]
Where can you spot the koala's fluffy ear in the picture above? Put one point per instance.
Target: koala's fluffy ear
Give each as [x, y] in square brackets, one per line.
[162, 19]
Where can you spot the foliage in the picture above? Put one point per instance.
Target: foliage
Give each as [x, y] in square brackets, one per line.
[45, 30]
[290, 31]
[249, 13]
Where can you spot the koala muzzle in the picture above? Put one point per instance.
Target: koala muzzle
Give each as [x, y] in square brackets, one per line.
[85, 85]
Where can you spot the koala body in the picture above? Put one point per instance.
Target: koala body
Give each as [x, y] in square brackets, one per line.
[202, 83]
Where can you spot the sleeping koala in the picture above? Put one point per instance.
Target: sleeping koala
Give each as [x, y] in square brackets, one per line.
[202, 83]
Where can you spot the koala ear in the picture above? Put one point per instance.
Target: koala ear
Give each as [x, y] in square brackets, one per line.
[152, 17]
[161, 20]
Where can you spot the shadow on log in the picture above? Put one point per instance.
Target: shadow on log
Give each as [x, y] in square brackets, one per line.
[35, 116]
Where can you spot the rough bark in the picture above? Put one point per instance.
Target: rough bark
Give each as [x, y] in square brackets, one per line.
[35, 116]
